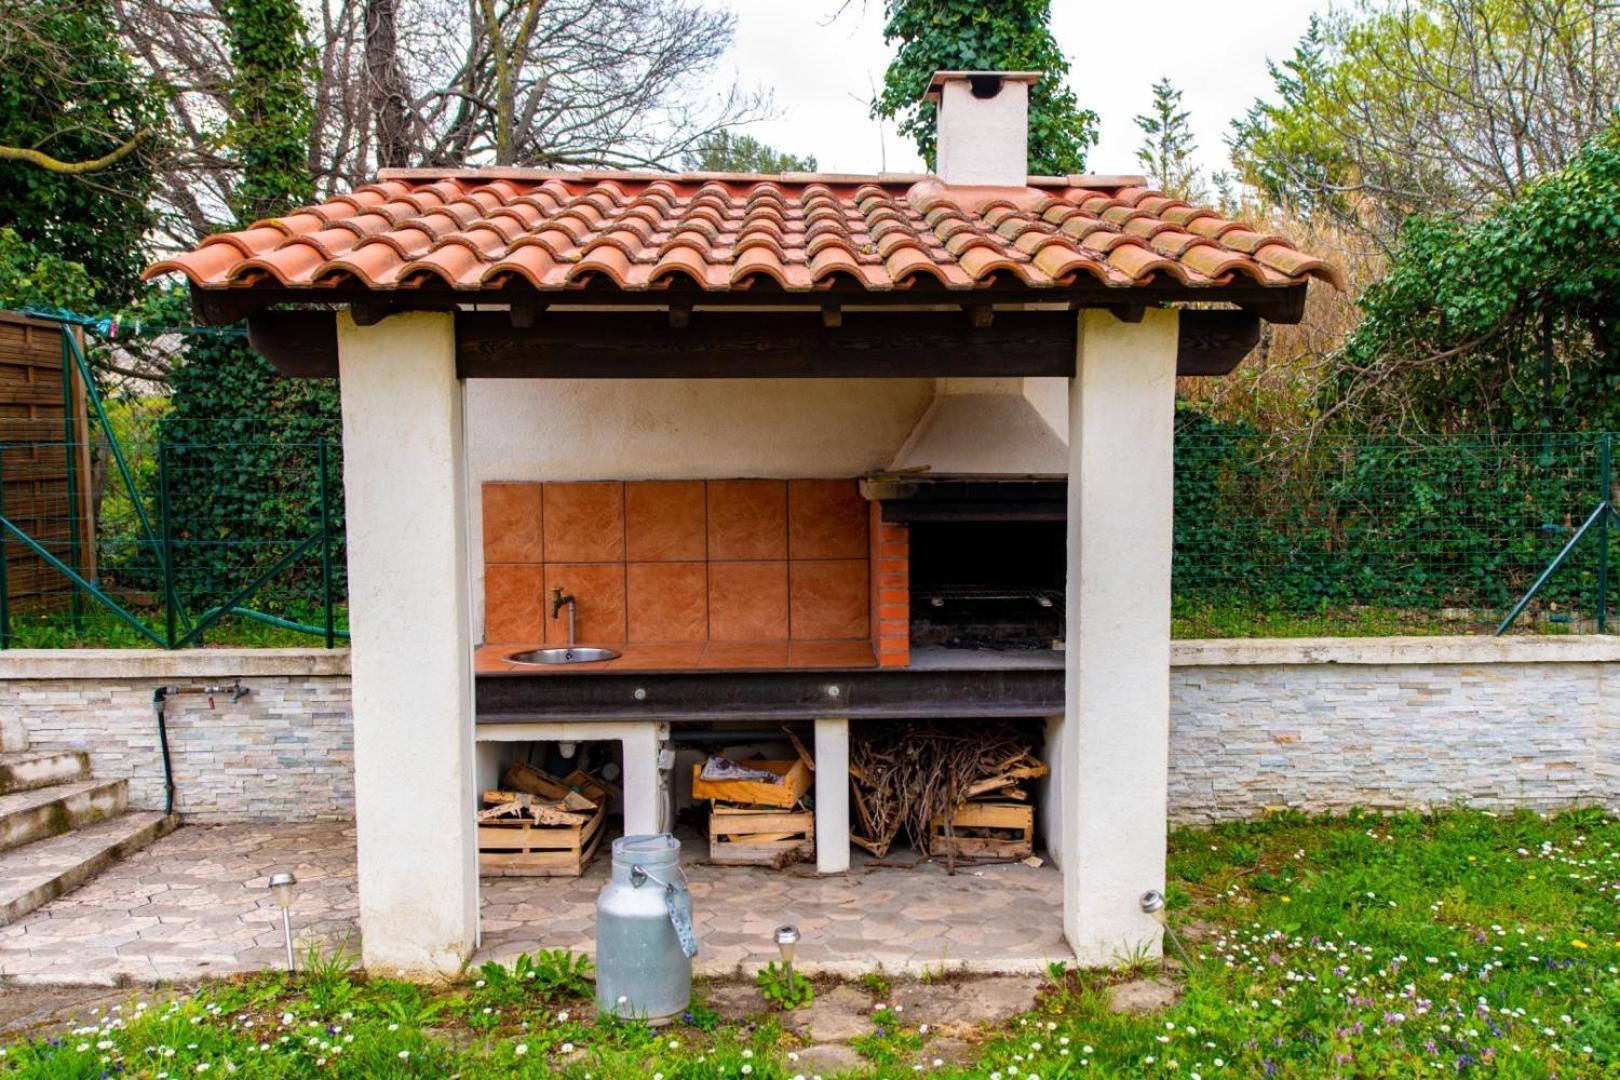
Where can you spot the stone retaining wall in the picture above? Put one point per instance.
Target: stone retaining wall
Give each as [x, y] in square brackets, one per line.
[1332, 736]
[283, 753]
[1325, 724]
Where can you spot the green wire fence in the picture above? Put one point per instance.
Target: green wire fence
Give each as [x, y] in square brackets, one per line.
[207, 535]
[1392, 535]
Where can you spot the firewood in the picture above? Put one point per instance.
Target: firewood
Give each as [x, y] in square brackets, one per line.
[907, 777]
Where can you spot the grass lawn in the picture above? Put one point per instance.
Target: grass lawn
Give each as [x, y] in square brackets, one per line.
[1460, 943]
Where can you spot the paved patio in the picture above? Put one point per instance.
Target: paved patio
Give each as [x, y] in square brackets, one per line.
[194, 905]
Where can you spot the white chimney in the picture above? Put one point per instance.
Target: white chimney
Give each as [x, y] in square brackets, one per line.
[983, 119]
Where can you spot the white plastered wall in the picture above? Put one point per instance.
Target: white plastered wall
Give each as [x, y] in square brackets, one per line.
[1112, 752]
[411, 662]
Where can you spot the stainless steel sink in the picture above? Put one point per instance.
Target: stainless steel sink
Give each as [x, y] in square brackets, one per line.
[576, 654]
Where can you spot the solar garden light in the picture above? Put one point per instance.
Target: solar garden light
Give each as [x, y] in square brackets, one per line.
[787, 943]
[281, 891]
[1153, 904]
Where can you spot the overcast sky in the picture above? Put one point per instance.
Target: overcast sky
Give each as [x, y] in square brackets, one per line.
[823, 71]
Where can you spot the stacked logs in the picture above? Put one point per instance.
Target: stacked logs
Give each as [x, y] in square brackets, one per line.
[917, 778]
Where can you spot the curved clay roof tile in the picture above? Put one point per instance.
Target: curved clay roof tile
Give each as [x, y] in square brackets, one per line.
[761, 240]
[905, 263]
[373, 263]
[1061, 263]
[555, 231]
[1140, 264]
[532, 263]
[762, 261]
[683, 261]
[834, 260]
[294, 264]
[609, 261]
[1295, 264]
[982, 261]
[212, 265]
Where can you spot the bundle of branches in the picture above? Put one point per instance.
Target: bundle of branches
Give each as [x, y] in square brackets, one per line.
[908, 775]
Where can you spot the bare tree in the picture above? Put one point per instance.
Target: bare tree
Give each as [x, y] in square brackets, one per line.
[613, 83]
[387, 95]
[551, 83]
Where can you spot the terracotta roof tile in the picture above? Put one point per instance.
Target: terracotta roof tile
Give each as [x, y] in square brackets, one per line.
[480, 230]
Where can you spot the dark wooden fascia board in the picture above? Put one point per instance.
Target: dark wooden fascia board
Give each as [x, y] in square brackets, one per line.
[642, 345]
[217, 307]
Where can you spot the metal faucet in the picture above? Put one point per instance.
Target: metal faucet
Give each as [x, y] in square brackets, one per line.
[558, 602]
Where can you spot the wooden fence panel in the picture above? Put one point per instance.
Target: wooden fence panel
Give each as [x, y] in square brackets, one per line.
[34, 464]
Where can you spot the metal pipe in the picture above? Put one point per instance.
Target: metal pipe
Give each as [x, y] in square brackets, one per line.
[5, 562]
[326, 550]
[706, 735]
[159, 697]
[171, 605]
[1603, 511]
[1605, 463]
[70, 465]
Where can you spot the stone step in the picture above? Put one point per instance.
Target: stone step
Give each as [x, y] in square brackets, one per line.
[41, 768]
[37, 873]
[13, 736]
[34, 815]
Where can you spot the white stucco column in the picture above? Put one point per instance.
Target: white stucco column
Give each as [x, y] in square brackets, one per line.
[646, 799]
[832, 796]
[1117, 702]
[412, 652]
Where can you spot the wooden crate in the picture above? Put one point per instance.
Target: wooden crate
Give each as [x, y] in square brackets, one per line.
[999, 830]
[739, 836]
[795, 782]
[521, 776]
[529, 849]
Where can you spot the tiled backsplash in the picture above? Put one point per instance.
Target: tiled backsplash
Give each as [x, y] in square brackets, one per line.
[678, 561]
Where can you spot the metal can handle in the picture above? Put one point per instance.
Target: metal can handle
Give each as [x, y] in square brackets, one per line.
[678, 905]
[678, 902]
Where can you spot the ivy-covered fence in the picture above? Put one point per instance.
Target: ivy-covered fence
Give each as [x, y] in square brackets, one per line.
[1385, 535]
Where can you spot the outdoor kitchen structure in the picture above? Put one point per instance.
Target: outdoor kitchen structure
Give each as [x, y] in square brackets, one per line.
[806, 449]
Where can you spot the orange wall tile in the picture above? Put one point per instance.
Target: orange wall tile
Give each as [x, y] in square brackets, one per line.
[512, 519]
[748, 601]
[599, 590]
[747, 519]
[826, 520]
[829, 599]
[665, 521]
[584, 522]
[512, 599]
[667, 601]
[684, 562]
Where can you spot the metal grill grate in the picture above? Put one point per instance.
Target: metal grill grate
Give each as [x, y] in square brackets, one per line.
[940, 596]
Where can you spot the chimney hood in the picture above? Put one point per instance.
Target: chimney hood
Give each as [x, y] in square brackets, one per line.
[976, 456]
[982, 435]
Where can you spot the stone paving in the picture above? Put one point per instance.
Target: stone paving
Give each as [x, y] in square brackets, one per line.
[194, 904]
[191, 905]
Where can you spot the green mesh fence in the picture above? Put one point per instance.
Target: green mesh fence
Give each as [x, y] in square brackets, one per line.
[1383, 536]
[223, 540]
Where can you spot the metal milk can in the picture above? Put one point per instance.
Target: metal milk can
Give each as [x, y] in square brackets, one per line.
[644, 936]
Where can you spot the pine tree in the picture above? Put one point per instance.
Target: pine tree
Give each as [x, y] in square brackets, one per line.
[1166, 153]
